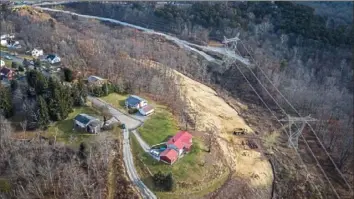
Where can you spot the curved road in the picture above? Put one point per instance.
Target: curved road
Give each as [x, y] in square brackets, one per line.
[131, 124]
[182, 43]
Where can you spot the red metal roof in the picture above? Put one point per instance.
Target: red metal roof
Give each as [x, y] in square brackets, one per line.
[171, 154]
[181, 139]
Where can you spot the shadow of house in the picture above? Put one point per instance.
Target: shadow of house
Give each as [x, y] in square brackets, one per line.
[84, 122]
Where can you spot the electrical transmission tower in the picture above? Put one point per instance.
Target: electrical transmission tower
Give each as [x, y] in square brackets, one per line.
[294, 135]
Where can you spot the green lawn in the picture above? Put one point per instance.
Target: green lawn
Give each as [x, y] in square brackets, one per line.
[64, 129]
[159, 126]
[116, 100]
[188, 172]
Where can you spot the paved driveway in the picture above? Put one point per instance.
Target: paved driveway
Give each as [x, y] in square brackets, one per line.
[130, 123]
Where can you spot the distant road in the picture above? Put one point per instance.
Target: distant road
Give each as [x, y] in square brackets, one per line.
[181, 43]
[131, 124]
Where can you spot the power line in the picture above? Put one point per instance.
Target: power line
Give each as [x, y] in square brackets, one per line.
[298, 154]
[296, 111]
[233, 48]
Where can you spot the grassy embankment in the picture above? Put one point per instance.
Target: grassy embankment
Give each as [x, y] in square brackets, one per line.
[189, 172]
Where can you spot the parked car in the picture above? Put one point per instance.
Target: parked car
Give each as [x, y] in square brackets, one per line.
[8, 57]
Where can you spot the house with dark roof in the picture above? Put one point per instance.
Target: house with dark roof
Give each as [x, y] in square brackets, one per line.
[53, 58]
[87, 123]
[95, 80]
[135, 102]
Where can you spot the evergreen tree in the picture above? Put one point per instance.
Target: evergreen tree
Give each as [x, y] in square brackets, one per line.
[37, 63]
[14, 85]
[169, 182]
[60, 100]
[5, 102]
[14, 65]
[43, 120]
[68, 75]
[38, 81]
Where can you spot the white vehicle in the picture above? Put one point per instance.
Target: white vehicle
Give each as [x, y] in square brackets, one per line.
[8, 57]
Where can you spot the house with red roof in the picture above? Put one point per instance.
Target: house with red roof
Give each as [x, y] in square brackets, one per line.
[6, 72]
[181, 142]
[169, 156]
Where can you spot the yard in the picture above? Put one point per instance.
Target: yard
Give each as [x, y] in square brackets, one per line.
[116, 100]
[159, 126]
[63, 130]
[193, 177]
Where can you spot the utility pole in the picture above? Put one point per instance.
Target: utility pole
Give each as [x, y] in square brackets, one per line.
[293, 140]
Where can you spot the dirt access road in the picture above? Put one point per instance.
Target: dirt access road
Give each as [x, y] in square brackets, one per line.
[131, 124]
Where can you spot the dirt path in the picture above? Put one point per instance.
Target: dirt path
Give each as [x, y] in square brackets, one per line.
[213, 114]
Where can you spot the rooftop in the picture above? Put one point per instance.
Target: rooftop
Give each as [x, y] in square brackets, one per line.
[84, 118]
[133, 99]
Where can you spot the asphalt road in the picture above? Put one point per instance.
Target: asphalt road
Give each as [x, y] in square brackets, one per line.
[131, 124]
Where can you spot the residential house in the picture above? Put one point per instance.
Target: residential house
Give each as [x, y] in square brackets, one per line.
[95, 80]
[2, 63]
[87, 123]
[7, 36]
[181, 142]
[146, 110]
[178, 145]
[52, 58]
[169, 156]
[7, 73]
[37, 52]
[136, 102]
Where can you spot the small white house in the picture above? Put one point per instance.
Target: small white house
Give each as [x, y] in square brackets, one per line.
[2, 63]
[51, 58]
[135, 102]
[146, 110]
[37, 52]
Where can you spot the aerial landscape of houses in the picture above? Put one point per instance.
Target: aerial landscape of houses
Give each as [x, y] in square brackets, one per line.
[175, 100]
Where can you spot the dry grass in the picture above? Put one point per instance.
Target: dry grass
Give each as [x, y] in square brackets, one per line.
[213, 113]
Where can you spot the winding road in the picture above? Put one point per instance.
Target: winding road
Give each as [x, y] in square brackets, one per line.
[131, 124]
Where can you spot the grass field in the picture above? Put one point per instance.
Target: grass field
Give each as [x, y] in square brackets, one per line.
[64, 131]
[188, 172]
[116, 100]
[159, 126]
